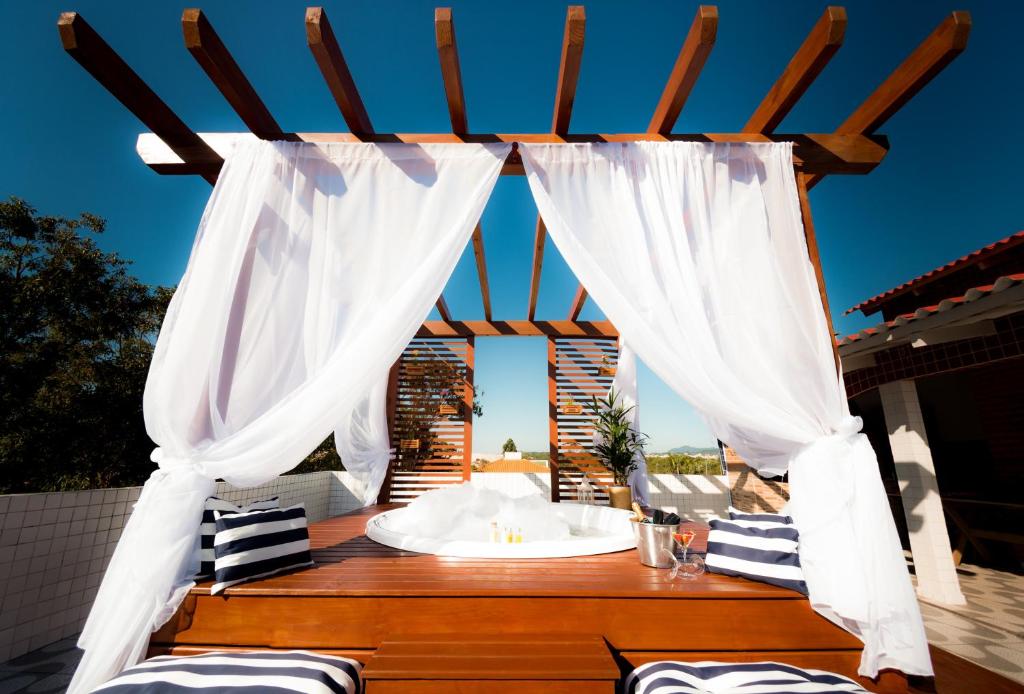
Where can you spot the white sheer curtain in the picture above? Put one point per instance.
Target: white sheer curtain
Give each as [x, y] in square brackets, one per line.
[312, 268]
[628, 395]
[695, 251]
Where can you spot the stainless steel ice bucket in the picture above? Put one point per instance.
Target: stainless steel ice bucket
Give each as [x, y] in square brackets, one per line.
[654, 544]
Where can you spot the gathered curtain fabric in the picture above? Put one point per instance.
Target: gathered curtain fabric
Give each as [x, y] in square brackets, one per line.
[312, 269]
[696, 252]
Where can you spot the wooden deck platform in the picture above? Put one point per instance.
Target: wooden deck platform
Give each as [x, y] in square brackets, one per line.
[360, 594]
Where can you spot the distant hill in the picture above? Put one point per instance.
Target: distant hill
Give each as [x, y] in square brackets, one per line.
[693, 450]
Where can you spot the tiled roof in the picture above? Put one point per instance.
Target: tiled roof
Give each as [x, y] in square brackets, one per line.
[977, 256]
[1001, 284]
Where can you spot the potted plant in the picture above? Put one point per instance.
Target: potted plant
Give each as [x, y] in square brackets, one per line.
[606, 368]
[617, 446]
[451, 402]
[570, 406]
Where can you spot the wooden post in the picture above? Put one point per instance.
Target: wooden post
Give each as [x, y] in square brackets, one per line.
[553, 418]
[812, 253]
[467, 410]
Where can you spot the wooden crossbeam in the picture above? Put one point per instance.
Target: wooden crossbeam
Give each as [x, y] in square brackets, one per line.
[577, 303]
[451, 75]
[812, 152]
[331, 61]
[512, 328]
[694, 53]
[442, 308]
[569, 68]
[565, 96]
[481, 270]
[101, 61]
[807, 63]
[937, 51]
[213, 56]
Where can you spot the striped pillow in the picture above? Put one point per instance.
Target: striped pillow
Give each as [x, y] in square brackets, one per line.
[208, 529]
[736, 514]
[239, 672]
[758, 550]
[673, 677]
[259, 544]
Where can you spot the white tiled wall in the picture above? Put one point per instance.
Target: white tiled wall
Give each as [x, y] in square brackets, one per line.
[55, 547]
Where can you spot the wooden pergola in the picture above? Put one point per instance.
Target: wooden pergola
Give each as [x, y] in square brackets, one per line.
[854, 147]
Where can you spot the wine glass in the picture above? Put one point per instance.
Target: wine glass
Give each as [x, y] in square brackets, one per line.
[690, 567]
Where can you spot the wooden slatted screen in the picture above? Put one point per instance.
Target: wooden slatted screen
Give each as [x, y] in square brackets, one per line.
[432, 429]
[578, 370]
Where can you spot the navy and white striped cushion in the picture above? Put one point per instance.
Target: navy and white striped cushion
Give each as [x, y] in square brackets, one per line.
[673, 677]
[258, 544]
[239, 673]
[208, 529]
[736, 514]
[758, 550]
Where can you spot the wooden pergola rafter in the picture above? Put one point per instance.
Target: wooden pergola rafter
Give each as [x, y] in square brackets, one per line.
[853, 148]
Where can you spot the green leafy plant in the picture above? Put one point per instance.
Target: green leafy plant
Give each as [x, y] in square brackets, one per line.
[618, 442]
[509, 447]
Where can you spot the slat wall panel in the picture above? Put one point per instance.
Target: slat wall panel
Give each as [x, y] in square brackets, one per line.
[579, 369]
[428, 368]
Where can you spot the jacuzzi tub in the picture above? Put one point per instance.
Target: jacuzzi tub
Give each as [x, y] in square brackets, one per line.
[594, 530]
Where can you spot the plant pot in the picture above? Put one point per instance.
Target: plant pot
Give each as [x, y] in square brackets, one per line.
[620, 497]
[572, 409]
[410, 444]
[606, 371]
[448, 409]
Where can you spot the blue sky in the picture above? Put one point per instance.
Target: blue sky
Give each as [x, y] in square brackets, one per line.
[950, 184]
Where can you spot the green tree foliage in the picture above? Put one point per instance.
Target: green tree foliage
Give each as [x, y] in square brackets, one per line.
[509, 446]
[683, 464]
[76, 337]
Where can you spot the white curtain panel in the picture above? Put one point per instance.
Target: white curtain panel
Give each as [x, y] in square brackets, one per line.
[312, 268]
[628, 395]
[696, 252]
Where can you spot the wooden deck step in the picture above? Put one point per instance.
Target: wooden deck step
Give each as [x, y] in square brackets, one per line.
[495, 664]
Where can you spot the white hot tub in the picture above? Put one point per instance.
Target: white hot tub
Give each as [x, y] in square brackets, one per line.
[464, 533]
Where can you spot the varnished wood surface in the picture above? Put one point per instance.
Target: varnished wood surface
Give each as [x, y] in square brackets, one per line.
[360, 595]
[348, 563]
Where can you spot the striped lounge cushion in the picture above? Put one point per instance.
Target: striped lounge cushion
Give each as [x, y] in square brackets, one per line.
[208, 529]
[238, 673]
[736, 514]
[258, 544]
[672, 677]
[759, 550]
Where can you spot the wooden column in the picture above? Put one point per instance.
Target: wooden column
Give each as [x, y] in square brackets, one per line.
[467, 410]
[812, 253]
[553, 418]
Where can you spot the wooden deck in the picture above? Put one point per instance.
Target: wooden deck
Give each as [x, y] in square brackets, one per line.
[360, 595]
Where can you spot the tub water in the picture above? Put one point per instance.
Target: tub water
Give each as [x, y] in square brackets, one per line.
[456, 521]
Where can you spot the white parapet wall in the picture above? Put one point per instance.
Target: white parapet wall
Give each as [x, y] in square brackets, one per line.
[54, 547]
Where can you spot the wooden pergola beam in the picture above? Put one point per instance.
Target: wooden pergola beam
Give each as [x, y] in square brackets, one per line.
[812, 152]
[442, 308]
[938, 50]
[331, 61]
[694, 53]
[451, 75]
[481, 270]
[569, 68]
[213, 56]
[512, 328]
[90, 51]
[565, 96]
[807, 63]
[577, 302]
